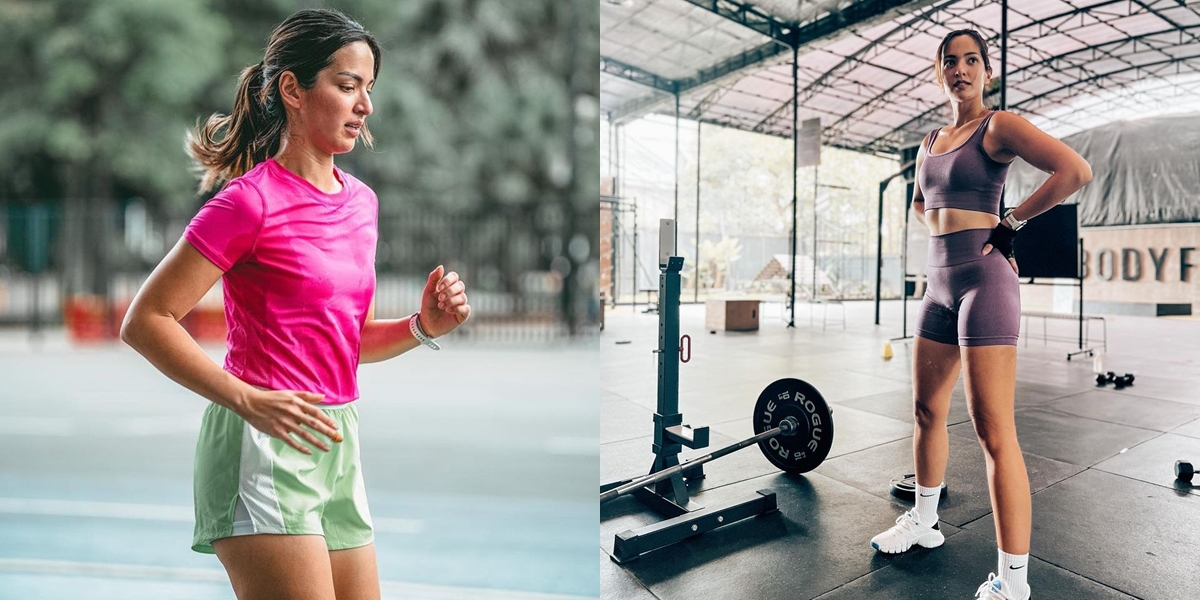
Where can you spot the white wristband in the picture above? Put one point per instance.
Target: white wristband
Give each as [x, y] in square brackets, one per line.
[414, 325]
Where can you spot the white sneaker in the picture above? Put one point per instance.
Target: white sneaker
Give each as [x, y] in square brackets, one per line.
[993, 589]
[908, 531]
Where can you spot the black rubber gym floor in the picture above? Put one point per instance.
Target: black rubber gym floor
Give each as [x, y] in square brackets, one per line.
[1109, 518]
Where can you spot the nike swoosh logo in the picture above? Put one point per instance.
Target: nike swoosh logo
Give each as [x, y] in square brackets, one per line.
[928, 495]
[1016, 568]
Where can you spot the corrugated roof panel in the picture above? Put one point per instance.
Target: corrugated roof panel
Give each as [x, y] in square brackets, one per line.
[921, 44]
[1183, 50]
[868, 129]
[671, 38]
[1141, 24]
[1096, 34]
[847, 45]
[917, 65]
[860, 98]
[820, 59]
[1040, 9]
[827, 102]
[931, 93]
[794, 11]
[877, 32]
[873, 76]
[1016, 18]
[1107, 65]
[1040, 85]
[1182, 16]
[1144, 55]
[1054, 44]
[760, 104]
[988, 13]
[1096, 3]
[903, 61]
[762, 86]
[891, 118]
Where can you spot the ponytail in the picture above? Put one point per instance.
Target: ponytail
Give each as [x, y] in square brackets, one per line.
[252, 132]
[227, 146]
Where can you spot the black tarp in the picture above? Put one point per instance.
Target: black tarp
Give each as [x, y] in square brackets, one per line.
[1144, 172]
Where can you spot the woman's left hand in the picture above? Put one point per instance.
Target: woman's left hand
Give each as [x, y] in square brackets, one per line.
[444, 303]
[1002, 239]
[1012, 261]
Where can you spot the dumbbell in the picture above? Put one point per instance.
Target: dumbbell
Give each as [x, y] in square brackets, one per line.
[1123, 381]
[1184, 470]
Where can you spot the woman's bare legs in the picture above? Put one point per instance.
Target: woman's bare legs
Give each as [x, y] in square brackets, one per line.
[268, 567]
[355, 573]
[935, 369]
[990, 380]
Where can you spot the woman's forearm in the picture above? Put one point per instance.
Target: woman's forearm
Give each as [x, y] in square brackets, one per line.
[165, 343]
[385, 338]
[1054, 190]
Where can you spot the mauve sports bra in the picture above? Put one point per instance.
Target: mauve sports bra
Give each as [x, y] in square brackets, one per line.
[965, 177]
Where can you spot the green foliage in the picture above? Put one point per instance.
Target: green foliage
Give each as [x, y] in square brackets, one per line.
[104, 89]
[746, 180]
[480, 115]
[472, 106]
[718, 257]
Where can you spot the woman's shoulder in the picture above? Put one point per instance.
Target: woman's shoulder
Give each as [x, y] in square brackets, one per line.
[1004, 118]
[244, 187]
[248, 183]
[1004, 124]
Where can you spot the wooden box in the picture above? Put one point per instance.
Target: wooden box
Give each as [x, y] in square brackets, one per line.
[731, 315]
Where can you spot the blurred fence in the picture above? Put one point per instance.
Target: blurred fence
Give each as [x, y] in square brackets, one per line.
[47, 278]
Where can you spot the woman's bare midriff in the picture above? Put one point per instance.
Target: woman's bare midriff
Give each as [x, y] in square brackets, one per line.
[949, 220]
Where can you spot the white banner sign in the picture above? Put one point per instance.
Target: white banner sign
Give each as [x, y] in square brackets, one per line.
[808, 143]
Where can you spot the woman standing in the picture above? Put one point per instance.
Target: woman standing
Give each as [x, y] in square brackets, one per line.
[293, 238]
[970, 316]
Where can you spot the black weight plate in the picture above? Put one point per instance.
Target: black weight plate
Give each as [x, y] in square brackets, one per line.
[904, 487]
[808, 447]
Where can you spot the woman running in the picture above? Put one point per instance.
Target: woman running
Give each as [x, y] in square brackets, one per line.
[293, 239]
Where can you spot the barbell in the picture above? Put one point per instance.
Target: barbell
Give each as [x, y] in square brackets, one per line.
[793, 427]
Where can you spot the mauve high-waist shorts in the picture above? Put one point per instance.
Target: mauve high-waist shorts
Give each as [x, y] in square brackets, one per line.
[971, 299]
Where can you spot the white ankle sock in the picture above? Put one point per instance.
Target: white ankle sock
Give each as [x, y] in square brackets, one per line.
[927, 503]
[1013, 571]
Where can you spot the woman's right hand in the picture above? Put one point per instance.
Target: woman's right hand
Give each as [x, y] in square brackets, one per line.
[284, 413]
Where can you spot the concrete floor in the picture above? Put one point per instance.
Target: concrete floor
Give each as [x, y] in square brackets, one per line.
[479, 463]
[1109, 519]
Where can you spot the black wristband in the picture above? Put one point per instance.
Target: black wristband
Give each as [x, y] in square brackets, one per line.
[1002, 239]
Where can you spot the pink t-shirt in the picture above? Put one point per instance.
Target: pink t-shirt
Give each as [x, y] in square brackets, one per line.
[299, 277]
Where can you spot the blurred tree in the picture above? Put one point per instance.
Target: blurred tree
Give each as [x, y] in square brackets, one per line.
[96, 98]
[485, 111]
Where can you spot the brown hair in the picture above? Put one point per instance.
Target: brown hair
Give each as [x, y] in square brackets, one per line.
[304, 44]
[941, 51]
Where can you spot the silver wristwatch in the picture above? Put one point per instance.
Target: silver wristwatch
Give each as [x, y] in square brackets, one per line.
[414, 325]
[1012, 222]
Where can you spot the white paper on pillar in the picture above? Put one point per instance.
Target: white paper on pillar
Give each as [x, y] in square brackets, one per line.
[666, 241]
[808, 143]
